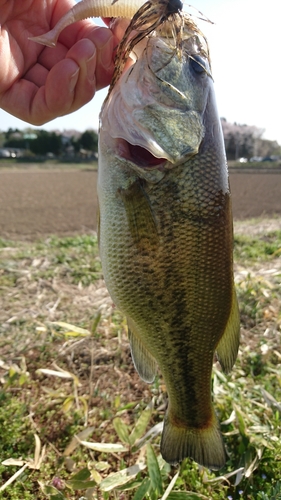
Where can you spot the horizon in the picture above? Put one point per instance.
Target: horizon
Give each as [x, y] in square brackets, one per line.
[72, 132]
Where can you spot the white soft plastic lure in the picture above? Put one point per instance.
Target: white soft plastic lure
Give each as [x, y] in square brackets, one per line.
[86, 9]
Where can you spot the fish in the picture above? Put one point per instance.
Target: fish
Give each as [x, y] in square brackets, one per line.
[165, 218]
[166, 232]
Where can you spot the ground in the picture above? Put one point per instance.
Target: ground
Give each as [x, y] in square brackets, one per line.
[47, 279]
[35, 202]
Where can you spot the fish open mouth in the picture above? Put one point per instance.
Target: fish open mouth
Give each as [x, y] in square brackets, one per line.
[142, 157]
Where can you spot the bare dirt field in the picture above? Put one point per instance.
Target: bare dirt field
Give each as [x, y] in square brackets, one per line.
[38, 202]
[34, 203]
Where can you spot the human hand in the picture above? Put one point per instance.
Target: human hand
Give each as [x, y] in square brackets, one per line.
[37, 83]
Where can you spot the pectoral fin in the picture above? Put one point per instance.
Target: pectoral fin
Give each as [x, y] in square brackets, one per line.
[228, 345]
[144, 362]
[139, 215]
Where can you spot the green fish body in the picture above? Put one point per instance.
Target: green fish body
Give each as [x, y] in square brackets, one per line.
[166, 237]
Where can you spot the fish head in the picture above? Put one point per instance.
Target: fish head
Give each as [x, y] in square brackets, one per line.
[154, 116]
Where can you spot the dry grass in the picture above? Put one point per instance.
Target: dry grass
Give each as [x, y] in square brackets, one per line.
[57, 280]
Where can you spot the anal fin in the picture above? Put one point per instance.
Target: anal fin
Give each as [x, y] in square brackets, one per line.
[144, 362]
[227, 348]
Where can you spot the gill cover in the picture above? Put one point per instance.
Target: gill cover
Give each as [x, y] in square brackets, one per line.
[159, 103]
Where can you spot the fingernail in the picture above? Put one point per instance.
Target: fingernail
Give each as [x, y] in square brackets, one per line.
[91, 67]
[107, 54]
[73, 80]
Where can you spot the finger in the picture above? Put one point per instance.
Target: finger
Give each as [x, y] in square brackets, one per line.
[118, 26]
[59, 95]
[105, 43]
[70, 84]
[37, 75]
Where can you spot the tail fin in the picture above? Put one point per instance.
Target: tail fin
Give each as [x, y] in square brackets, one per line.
[205, 446]
[49, 39]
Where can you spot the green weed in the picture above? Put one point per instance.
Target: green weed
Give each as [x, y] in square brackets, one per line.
[77, 422]
[257, 249]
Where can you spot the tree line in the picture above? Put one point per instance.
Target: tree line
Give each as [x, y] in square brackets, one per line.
[247, 141]
[42, 142]
[240, 141]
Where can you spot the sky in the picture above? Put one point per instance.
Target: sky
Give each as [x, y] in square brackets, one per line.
[245, 48]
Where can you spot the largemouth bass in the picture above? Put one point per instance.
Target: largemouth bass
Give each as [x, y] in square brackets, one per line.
[166, 235]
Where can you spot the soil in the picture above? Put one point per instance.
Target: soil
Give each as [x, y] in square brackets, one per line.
[35, 203]
[41, 202]
[256, 194]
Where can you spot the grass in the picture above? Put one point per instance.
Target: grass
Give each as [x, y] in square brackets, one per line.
[60, 380]
[260, 165]
[257, 249]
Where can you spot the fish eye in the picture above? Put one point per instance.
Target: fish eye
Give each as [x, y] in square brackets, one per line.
[198, 64]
